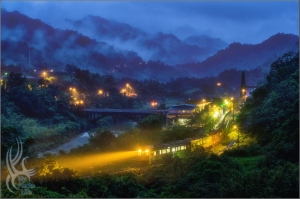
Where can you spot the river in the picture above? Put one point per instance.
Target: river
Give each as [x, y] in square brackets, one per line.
[83, 138]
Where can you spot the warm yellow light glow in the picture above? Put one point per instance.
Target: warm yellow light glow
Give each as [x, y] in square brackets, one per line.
[216, 114]
[82, 163]
[100, 92]
[218, 84]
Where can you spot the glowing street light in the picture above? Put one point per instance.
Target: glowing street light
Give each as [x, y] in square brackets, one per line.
[226, 102]
[100, 92]
[216, 114]
[44, 74]
[153, 104]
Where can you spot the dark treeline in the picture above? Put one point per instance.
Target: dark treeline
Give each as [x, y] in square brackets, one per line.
[268, 168]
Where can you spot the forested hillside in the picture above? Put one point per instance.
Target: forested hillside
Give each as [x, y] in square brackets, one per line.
[269, 167]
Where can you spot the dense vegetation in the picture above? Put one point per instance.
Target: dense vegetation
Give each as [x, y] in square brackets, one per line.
[269, 168]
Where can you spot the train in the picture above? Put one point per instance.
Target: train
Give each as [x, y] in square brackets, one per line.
[154, 152]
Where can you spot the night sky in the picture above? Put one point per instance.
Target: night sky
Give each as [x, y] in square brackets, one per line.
[232, 21]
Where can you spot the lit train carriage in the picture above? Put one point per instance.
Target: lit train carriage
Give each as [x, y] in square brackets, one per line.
[170, 148]
[151, 153]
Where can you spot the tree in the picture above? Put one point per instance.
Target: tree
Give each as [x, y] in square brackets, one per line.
[152, 122]
[15, 80]
[102, 140]
[276, 103]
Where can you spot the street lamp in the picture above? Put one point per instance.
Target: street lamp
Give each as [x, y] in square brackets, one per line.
[153, 104]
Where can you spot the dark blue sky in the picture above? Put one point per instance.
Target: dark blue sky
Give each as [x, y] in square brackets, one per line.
[240, 21]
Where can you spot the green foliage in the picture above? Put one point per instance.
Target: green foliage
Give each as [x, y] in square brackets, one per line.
[276, 104]
[102, 140]
[105, 122]
[152, 122]
[15, 80]
[177, 133]
[268, 169]
[107, 186]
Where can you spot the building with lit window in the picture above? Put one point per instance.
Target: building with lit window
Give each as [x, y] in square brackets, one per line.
[180, 114]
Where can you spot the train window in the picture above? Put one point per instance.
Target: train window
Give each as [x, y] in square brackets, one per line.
[168, 150]
[159, 151]
[183, 147]
[164, 151]
[154, 153]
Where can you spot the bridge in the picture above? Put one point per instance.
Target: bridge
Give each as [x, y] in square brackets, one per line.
[94, 113]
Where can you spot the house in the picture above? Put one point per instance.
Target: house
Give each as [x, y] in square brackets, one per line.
[180, 114]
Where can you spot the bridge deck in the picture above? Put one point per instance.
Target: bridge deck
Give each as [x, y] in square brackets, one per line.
[100, 110]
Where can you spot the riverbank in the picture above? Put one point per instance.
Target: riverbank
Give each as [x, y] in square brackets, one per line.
[83, 138]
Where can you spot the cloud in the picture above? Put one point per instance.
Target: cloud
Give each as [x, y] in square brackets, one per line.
[245, 22]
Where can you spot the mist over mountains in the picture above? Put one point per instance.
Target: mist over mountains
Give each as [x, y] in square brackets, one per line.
[109, 47]
[164, 47]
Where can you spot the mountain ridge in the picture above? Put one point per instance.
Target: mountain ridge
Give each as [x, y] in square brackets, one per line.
[55, 47]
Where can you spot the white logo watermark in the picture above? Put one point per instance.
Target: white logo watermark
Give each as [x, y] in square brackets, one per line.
[22, 182]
